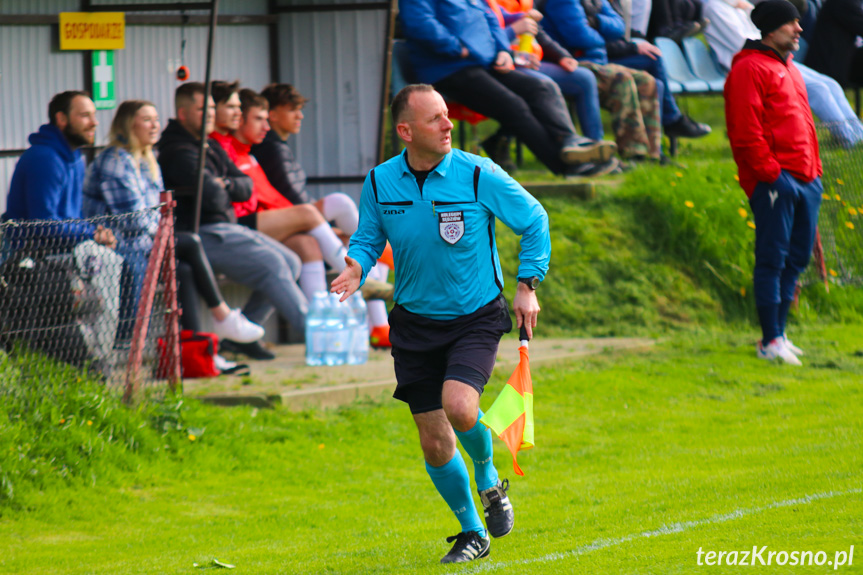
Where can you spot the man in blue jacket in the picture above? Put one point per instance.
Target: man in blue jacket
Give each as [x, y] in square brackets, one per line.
[593, 30]
[437, 207]
[460, 48]
[48, 180]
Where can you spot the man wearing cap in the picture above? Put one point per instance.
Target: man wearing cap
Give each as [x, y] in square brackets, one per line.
[774, 144]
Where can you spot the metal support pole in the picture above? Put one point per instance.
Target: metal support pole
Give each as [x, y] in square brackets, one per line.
[202, 160]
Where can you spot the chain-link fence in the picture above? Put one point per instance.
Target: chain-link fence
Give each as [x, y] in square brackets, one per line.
[840, 224]
[96, 294]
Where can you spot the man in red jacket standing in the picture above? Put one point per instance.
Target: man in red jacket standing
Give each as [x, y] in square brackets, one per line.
[774, 144]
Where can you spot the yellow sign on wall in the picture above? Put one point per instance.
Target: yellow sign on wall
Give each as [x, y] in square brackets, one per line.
[92, 30]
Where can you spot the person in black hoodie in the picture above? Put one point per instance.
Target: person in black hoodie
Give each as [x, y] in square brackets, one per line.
[244, 255]
[833, 50]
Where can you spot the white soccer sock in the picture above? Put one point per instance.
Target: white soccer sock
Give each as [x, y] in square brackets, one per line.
[340, 208]
[377, 312]
[332, 247]
[313, 278]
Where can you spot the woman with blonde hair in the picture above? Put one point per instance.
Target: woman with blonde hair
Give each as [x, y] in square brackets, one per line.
[125, 178]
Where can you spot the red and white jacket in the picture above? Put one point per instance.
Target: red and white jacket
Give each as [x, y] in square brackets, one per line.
[768, 118]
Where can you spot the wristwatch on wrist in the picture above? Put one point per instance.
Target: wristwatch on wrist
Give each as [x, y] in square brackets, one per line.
[531, 282]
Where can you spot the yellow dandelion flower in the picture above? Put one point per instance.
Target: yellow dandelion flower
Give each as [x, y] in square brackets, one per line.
[836, 197]
[688, 204]
[62, 421]
[825, 196]
[321, 446]
[844, 203]
[736, 178]
[840, 182]
[751, 224]
[743, 213]
[833, 273]
[743, 291]
[89, 422]
[852, 211]
[849, 225]
[673, 184]
[678, 174]
[192, 437]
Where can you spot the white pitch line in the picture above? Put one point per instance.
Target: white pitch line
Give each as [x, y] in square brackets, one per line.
[664, 530]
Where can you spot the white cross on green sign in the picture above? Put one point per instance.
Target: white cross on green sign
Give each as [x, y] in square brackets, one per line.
[103, 79]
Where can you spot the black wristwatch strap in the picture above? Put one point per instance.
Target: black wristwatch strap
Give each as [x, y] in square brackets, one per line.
[531, 282]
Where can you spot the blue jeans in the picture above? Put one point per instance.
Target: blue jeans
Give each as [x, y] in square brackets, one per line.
[656, 68]
[786, 216]
[828, 102]
[580, 85]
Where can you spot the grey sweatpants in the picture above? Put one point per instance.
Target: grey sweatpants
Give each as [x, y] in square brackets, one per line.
[261, 264]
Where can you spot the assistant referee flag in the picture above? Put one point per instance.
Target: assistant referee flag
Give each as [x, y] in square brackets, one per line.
[511, 415]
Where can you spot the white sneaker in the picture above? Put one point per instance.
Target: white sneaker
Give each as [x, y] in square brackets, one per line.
[791, 347]
[777, 349]
[223, 364]
[237, 328]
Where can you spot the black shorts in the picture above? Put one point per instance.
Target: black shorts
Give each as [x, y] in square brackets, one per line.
[428, 352]
[249, 220]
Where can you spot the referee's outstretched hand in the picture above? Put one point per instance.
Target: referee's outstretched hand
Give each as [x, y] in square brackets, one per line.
[349, 280]
[526, 308]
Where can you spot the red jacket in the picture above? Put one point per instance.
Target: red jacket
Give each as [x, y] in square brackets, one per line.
[768, 118]
[264, 195]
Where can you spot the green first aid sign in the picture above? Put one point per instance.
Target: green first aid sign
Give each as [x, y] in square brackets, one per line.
[103, 79]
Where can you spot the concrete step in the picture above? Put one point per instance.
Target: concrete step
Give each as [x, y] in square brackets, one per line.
[288, 381]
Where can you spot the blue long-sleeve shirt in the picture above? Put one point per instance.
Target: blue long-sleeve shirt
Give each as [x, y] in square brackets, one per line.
[436, 31]
[566, 22]
[443, 238]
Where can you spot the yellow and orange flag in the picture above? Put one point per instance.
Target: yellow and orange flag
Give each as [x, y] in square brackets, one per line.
[511, 415]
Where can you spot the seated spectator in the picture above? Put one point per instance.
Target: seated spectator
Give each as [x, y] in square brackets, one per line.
[271, 209]
[47, 185]
[460, 48]
[834, 51]
[630, 95]
[731, 27]
[49, 176]
[125, 177]
[594, 31]
[579, 85]
[244, 255]
[287, 176]
[676, 19]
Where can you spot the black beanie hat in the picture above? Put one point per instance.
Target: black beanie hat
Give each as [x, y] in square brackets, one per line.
[772, 14]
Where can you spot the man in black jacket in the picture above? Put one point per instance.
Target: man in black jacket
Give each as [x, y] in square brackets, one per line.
[833, 50]
[244, 255]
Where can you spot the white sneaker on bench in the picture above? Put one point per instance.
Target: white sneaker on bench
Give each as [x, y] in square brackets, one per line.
[237, 328]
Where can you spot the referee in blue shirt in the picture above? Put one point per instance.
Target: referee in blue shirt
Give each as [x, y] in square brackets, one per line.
[437, 207]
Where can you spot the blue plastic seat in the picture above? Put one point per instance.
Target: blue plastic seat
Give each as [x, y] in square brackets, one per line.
[677, 68]
[703, 64]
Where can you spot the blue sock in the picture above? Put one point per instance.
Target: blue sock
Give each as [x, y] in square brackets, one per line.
[477, 442]
[453, 483]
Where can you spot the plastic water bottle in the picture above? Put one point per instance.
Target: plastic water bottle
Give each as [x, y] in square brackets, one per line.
[316, 335]
[359, 326]
[338, 335]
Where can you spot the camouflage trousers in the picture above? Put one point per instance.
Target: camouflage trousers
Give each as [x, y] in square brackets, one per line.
[631, 97]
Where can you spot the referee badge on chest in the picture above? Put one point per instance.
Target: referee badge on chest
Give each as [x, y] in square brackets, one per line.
[451, 225]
